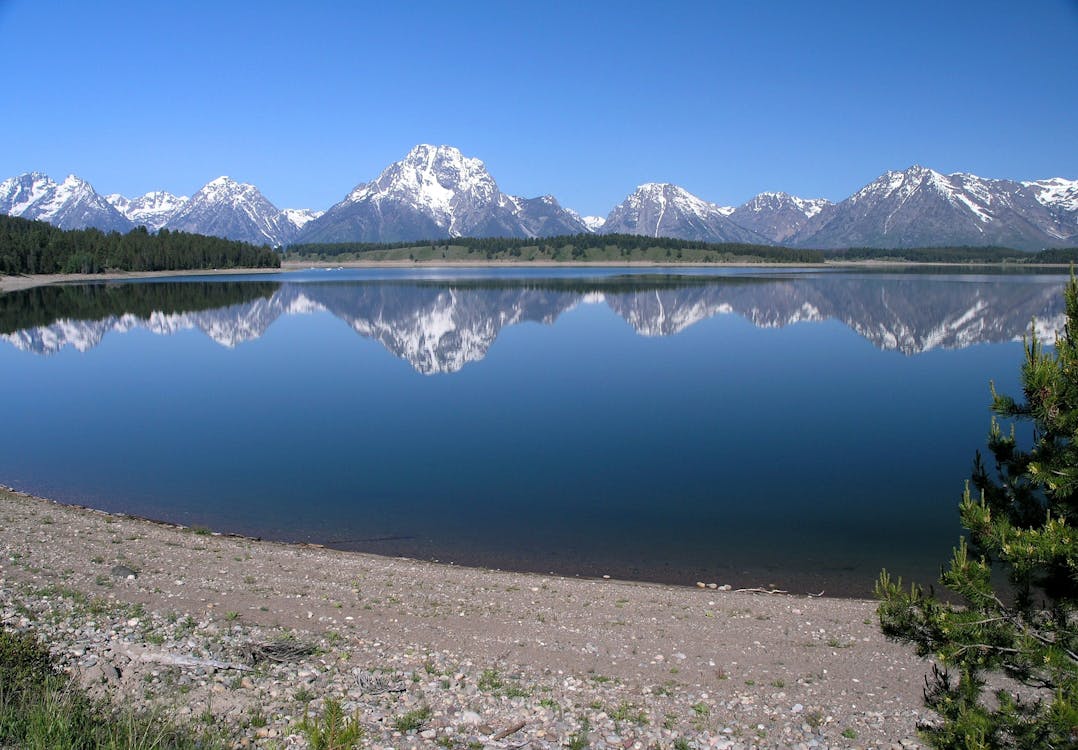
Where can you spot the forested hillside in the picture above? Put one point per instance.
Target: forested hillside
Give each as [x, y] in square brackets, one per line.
[37, 247]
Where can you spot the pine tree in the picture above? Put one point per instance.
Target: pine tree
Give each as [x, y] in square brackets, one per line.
[1019, 629]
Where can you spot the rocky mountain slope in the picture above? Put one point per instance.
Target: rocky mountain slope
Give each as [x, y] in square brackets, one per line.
[235, 210]
[436, 192]
[921, 207]
[663, 210]
[71, 204]
[152, 210]
[778, 216]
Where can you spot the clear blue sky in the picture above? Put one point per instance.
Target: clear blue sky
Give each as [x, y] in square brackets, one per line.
[583, 100]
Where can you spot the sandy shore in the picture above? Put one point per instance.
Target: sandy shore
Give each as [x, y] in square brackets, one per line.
[165, 614]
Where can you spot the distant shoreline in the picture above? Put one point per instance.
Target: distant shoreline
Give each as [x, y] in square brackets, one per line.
[293, 265]
[16, 283]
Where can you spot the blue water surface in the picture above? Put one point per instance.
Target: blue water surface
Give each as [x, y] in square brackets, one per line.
[751, 427]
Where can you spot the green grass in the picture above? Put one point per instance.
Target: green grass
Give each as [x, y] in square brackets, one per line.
[628, 712]
[491, 682]
[44, 709]
[412, 721]
[579, 740]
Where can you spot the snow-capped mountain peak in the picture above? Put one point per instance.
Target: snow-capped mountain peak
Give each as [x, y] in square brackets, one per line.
[71, 204]
[1056, 192]
[661, 209]
[777, 215]
[437, 180]
[151, 210]
[236, 210]
[300, 217]
[593, 223]
[17, 194]
[437, 192]
[771, 201]
[922, 207]
[224, 188]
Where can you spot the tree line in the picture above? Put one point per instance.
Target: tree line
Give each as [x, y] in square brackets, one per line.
[38, 247]
[963, 254]
[628, 247]
[579, 247]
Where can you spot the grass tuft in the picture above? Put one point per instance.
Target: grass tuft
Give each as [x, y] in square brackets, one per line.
[40, 707]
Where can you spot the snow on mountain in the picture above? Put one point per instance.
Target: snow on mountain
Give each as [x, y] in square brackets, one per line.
[665, 210]
[71, 204]
[437, 192]
[593, 223]
[439, 181]
[1060, 199]
[590, 223]
[300, 217]
[778, 216]
[236, 211]
[545, 217]
[1056, 193]
[17, 194]
[152, 210]
[922, 207]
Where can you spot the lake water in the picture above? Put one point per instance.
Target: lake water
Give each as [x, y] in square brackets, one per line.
[755, 427]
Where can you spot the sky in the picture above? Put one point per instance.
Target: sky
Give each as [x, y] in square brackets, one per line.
[582, 100]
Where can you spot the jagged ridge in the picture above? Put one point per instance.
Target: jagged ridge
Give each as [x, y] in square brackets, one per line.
[436, 192]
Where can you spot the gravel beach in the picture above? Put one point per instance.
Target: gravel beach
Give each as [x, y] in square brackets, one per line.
[251, 635]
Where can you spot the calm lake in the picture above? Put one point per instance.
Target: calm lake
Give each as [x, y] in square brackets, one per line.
[752, 427]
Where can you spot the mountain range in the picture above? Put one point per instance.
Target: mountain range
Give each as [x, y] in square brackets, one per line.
[436, 192]
[441, 327]
[221, 208]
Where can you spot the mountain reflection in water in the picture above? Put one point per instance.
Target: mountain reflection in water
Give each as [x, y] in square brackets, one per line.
[440, 326]
[669, 427]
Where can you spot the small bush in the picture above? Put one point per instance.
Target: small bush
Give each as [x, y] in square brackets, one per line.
[333, 730]
[25, 664]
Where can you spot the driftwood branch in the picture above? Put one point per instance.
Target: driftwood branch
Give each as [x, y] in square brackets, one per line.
[508, 731]
[185, 660]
